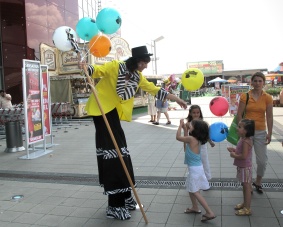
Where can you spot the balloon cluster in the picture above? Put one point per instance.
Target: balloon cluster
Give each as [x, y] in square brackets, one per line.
[171, 83]
[218, 131]
[108, 21]
[192, 79]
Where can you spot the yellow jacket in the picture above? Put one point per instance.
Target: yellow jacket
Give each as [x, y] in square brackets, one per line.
[106, 92]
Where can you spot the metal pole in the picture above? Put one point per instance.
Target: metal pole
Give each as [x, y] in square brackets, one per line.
[155, 60]
[152, 50]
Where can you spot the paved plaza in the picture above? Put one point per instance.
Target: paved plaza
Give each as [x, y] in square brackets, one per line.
[61, 187]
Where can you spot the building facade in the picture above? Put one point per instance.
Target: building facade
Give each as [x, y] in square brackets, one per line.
[24, 25]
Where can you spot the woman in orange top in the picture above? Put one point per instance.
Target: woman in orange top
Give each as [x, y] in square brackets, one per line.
[260, 109]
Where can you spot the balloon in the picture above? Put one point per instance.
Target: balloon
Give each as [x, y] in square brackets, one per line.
[192, 79]
[108, 20]
[218, 131]
[100, 46]
[86, 28]
[219, 106]
[61, 40]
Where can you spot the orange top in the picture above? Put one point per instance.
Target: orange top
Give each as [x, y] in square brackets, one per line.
[256, 110]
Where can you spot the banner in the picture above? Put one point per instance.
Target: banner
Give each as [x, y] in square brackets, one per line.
[46, 99]
[32, 87]
[234, 97]
[207, 67]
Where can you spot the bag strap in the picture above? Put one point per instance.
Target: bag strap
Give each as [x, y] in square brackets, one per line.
[247, 99]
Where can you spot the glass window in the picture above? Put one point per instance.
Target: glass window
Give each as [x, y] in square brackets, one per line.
[71, 6]
[36, 34]
[59, 3]
[0, 53]
[13, 83]
[55, 16]
[13, 55]
[71, 19]
[13, 24]
[50, 37]
[1, 78]
[36, 12]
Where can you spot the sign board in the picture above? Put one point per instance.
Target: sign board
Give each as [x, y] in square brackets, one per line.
[233, 96]
[207, 67]
[46, 100]
[32, 87]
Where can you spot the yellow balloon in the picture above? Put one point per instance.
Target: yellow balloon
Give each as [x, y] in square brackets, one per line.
[192, 79]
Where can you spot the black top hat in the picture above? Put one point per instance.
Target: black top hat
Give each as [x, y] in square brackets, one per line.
[140, 52]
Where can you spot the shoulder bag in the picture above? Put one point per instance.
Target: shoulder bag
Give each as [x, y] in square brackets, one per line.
[233, 136]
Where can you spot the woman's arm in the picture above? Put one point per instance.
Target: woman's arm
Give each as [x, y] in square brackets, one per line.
[269, 122]
[181, 102]
[151, 88]
[240, 111]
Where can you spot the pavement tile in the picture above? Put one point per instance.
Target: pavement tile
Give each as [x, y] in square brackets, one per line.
[156, 155]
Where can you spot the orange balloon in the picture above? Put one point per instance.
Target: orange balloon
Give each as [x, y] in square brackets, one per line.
[100, 46]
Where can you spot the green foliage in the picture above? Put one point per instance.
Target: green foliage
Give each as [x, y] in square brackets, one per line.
[275, 91]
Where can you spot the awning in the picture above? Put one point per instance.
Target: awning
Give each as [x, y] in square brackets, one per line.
[217, 79]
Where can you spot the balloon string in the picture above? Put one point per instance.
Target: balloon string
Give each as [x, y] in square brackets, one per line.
[87, 52]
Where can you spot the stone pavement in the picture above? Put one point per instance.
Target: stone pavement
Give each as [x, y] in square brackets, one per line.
[61, 188]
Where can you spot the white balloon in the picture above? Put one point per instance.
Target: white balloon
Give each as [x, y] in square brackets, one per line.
[61, 40]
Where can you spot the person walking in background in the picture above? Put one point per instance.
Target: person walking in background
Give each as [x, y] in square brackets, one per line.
[195, 113]
[5, 100]
[242, 155]
[151, 108]
[162, 107]
[196, 179]
[260, 109]
[119, 81]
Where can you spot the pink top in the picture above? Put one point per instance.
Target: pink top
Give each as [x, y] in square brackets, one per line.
[239, 149]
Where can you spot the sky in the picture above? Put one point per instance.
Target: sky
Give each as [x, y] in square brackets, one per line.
[245, 34]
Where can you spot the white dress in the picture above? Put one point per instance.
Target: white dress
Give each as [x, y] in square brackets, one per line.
[205, 161]
[196, 179]
[151, 105]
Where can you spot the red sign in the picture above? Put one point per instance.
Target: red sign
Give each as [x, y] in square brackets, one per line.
[46, 103]
[33, 100]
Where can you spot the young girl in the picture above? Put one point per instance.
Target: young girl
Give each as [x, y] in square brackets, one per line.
[196, 113]
[242, 155]
[162, 107]
[196, 179]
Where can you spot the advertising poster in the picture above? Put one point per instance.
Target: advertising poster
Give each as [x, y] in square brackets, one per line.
[46, 102]
[225, 90]
[234, 97]
[32, 83]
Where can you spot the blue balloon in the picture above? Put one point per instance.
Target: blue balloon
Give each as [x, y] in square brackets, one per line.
[218, 131]
[108, 20]
[86, 28]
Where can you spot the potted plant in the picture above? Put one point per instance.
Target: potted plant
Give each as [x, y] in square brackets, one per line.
[274, 92]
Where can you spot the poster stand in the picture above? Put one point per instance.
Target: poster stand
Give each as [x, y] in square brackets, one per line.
[48, 145]
[35, 153]
[36, 89]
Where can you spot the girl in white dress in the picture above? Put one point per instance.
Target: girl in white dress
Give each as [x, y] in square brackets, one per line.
[196, 113]
[196, 179]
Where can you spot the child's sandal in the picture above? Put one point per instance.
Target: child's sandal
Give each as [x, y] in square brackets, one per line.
[239, 206]
[243, 212]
